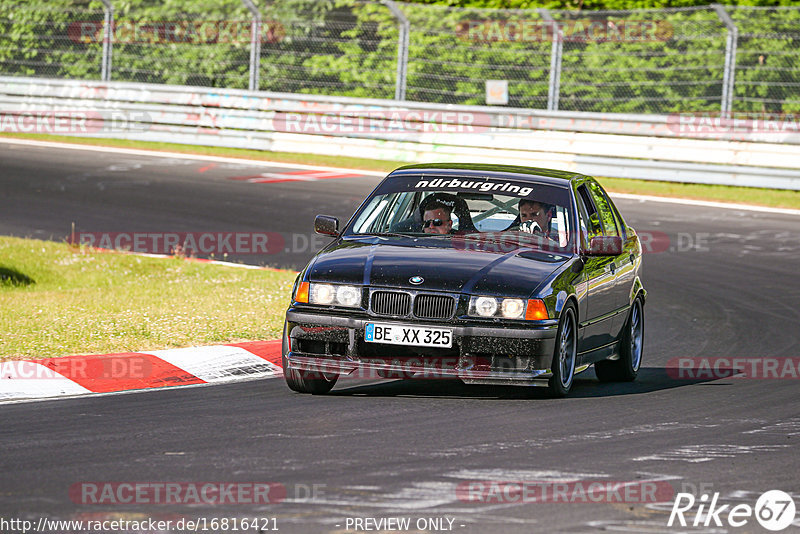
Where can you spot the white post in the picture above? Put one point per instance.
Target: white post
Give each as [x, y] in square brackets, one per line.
[556, 51]
[255, 44]
[404, 29]
[108, 35]
[729, 72]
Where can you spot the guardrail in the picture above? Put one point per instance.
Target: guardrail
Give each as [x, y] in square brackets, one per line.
[651, 147]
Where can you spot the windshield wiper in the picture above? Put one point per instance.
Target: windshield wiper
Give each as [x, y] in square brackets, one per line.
[381, 234]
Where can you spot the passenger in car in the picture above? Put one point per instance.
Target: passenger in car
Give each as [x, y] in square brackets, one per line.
[538, 213]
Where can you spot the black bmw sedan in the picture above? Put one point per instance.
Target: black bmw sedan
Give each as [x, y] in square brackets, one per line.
[491, 274]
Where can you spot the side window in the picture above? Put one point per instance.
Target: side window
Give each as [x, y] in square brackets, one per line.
[623, 228]
[594, 227]
[583, 231]
[390, 213]
[605, 211]
[618, 218]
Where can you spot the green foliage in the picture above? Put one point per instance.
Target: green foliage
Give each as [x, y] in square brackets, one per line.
[349, 48]
[332, 47]
[34, 38]
[209, 47]
[768, 61]
[595, 4]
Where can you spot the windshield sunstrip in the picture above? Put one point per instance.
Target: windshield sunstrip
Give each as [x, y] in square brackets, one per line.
[484, 186]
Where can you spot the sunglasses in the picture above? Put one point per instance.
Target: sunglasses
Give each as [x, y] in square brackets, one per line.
[432, 222]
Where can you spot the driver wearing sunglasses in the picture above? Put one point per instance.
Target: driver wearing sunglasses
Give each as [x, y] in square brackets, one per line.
[436, 219]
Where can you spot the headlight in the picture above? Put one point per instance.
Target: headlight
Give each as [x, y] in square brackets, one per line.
[510, 308]
[483, 306]
[334, 295]
[348, 296]
[322, 294]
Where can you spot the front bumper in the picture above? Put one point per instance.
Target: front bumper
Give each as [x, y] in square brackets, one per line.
[481, 353]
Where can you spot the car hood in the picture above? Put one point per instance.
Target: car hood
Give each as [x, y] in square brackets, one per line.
[443, 267]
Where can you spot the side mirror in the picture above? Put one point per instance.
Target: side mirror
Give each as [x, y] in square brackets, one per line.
[605, 246]
[326, 225]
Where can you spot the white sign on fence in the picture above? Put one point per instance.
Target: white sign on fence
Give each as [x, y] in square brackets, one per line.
[496, 92]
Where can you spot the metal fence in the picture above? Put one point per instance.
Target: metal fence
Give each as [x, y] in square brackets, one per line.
[649, 147]
[717, 59]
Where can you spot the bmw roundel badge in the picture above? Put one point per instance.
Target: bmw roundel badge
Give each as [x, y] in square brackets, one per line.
[416, 280]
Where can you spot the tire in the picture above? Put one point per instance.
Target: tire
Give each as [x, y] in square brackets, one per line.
[631, 346]
[305, 381]
[565, 353]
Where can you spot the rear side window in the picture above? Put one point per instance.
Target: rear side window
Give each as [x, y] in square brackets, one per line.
[593, 225]
[605, 212]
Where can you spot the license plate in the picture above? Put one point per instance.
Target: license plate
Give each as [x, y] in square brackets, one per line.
[416, 336]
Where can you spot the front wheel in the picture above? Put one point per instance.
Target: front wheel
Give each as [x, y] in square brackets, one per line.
[566, 352]
[631, 344]
[300, 381]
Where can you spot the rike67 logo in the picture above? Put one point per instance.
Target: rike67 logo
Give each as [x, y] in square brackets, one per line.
[774, 510]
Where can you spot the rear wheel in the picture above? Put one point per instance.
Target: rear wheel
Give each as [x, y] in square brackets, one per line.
[313, 382]
[631, 344]
[566, 352]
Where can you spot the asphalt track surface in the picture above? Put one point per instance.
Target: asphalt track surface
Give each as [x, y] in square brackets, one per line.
[725, 285]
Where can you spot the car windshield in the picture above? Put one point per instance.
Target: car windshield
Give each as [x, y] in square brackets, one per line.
[522, 213]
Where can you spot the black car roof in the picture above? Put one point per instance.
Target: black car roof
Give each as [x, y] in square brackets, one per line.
[515, 172]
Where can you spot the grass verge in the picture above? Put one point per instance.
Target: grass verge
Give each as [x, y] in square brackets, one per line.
[744, 195]
[774, 198]
[56, 300]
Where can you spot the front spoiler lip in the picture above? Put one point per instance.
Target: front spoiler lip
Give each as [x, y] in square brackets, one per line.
[308, 362]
